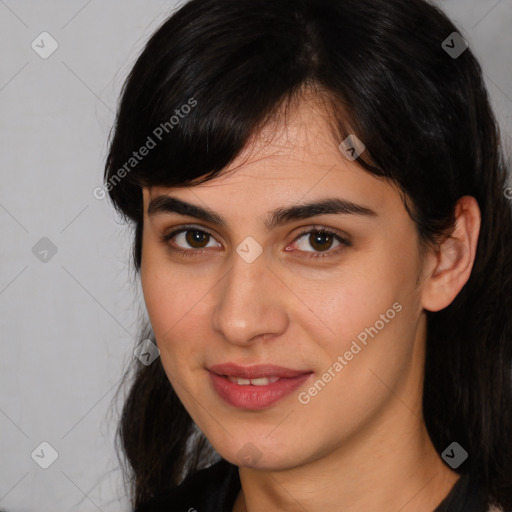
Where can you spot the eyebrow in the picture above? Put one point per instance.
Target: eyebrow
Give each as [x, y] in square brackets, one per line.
[165, 204]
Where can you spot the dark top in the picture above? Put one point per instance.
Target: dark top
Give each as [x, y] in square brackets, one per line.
[214, 489]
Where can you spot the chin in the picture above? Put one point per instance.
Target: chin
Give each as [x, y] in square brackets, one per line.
[263, 455]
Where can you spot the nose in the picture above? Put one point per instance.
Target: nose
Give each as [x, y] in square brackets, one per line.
[248, 305]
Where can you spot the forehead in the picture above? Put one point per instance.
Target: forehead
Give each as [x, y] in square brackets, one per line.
[294, 158]
[297, 131]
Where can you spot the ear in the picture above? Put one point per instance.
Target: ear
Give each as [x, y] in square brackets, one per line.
[448, 269]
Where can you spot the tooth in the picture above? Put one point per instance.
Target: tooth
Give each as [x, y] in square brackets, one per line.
[239, 381]
[262, 381]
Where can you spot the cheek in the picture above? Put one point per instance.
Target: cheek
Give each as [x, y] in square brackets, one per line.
[164, 288]
[368, 316]
[351, 301]
[175, 305]
[169, 302]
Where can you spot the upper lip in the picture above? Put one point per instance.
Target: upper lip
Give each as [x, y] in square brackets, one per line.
[256, 371]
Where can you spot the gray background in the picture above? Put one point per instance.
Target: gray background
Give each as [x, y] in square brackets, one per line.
[68, 325]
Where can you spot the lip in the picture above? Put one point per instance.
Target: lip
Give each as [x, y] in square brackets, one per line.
[255, 397]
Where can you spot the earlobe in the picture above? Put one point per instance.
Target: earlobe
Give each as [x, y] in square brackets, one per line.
[453, 262]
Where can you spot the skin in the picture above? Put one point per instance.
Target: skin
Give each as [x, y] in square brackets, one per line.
[361, 443]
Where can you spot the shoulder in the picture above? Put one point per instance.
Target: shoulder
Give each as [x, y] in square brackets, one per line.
[210, 489]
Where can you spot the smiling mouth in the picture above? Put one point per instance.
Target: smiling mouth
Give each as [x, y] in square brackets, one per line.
[255, 387]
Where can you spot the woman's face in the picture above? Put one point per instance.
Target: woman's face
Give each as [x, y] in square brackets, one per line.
[345, 318]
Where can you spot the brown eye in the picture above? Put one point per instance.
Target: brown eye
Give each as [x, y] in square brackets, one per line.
[321, 241]
[195, 236]
[189, 240]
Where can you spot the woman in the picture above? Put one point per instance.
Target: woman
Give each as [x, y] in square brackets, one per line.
[324, 249]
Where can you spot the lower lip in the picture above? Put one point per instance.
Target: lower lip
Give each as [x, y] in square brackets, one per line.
[256, 397]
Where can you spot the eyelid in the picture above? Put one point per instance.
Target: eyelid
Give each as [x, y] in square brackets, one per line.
[342, 237]
[186, 227]
[167, 236]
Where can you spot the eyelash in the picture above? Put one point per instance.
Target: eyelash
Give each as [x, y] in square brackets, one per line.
[165, 238]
